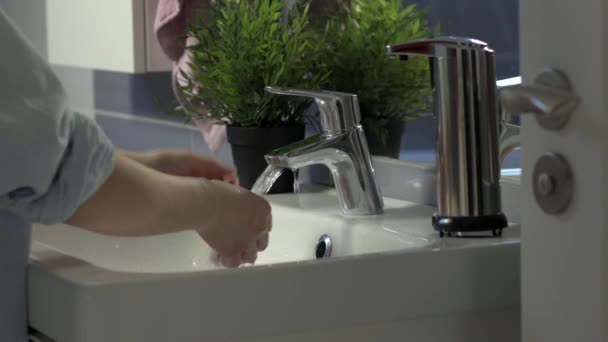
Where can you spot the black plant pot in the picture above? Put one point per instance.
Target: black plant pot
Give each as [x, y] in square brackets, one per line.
[392, 147]
[250, 145]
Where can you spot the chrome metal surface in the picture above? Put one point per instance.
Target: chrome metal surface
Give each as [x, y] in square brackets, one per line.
[550, 98]
[323, 247]
[466, 108]
[553, 183]
[339, 111]
[509, 139]
[341, 147]
[545, 184]
[348, 159]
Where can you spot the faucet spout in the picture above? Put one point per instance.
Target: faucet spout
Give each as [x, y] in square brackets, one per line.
[341, 147]
[347, 158]
[318, 149]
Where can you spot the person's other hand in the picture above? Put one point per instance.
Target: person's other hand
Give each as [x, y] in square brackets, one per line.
[238, 225]
[186, 164]
[139, 201]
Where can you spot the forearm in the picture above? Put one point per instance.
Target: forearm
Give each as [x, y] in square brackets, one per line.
[136, 200]
[140, 157]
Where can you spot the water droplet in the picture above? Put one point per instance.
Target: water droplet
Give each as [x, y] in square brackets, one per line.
[196, 261]
[296, 181]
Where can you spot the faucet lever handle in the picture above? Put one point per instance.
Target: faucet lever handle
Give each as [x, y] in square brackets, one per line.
[339, 111]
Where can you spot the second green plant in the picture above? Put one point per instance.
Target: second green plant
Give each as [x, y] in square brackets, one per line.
[390, 91]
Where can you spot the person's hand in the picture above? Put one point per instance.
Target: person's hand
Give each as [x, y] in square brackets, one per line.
[139, 201]
[186, 164]
[238, 226]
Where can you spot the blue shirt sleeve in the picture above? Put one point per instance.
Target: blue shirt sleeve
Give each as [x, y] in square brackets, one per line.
[51, 160]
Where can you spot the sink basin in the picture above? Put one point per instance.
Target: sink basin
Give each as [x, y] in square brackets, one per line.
[298, 224]
[390, 277]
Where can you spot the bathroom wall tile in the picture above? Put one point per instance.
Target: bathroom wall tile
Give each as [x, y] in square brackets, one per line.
[149, 94]
[140, 135]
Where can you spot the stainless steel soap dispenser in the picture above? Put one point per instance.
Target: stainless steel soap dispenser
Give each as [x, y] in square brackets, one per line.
[465, 105]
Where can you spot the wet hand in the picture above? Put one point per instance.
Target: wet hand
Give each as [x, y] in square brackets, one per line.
[239, 225]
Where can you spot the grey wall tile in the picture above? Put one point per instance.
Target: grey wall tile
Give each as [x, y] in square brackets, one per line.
[148, 94]
[137, 135]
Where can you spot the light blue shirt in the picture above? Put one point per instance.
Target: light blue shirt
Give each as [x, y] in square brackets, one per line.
[51, 160]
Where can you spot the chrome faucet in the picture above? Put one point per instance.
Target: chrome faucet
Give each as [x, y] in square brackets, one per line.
[341, 147]
[468, 133]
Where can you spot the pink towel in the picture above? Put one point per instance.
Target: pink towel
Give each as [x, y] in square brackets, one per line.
[172, 18]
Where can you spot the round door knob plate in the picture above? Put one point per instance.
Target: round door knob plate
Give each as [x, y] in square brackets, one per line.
[553, 183]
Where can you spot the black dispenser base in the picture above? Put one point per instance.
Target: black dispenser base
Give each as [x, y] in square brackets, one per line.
[465, 225]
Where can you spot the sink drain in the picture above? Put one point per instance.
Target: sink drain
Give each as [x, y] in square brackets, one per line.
[323, 248]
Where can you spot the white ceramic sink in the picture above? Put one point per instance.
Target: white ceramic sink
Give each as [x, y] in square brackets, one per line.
[299, 221]
[389, 272]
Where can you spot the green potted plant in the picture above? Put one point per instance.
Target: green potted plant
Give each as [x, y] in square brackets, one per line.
[390, 91]
[242, 47]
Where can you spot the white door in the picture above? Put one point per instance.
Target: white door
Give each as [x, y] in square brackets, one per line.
[565, 257]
